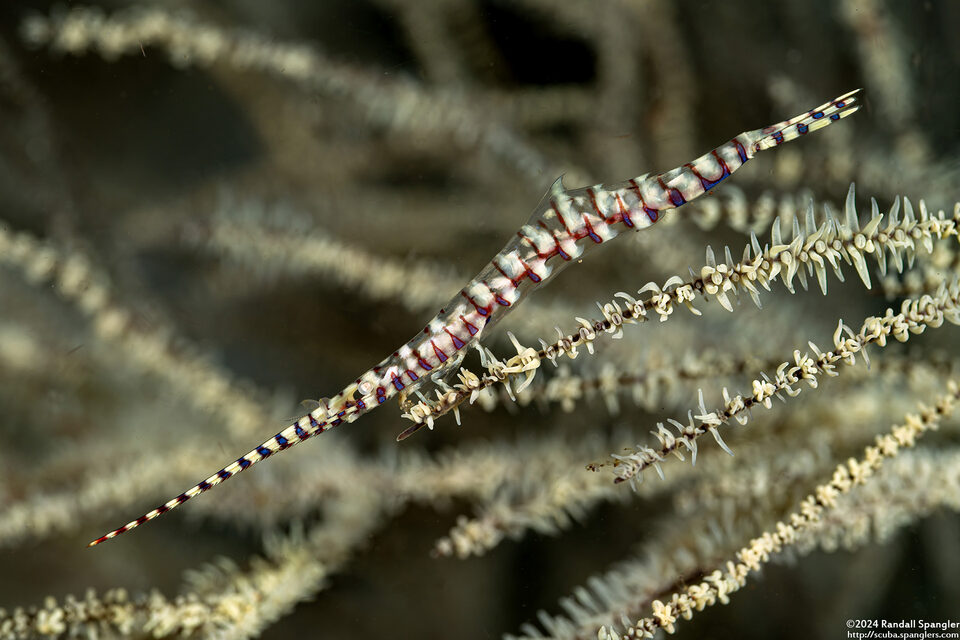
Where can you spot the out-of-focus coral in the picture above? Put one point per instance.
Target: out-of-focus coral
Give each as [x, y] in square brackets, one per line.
[210, 211]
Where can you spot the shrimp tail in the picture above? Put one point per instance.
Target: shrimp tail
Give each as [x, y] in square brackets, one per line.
[314, 423]
[817, 118]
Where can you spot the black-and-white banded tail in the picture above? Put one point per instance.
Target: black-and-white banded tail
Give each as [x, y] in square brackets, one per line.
[822, 116]
[305, 427]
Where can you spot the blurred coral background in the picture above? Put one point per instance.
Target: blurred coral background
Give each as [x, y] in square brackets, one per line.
[211, 211]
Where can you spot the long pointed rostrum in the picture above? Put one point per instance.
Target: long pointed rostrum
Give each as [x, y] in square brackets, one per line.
[566, 224]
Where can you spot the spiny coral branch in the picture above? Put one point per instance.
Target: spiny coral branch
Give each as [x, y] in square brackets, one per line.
[223, 601]
[914, 317]
[809, 252]
[721, 583]
[75, 279]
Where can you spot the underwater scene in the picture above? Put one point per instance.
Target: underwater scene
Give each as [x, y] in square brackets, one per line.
[634, 318]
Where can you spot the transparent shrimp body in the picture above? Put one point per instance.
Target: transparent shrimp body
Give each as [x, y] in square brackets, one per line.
[563, 227]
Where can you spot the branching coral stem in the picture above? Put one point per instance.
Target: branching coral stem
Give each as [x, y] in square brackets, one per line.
[914, 317]
[808, 253]
[724, 581]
